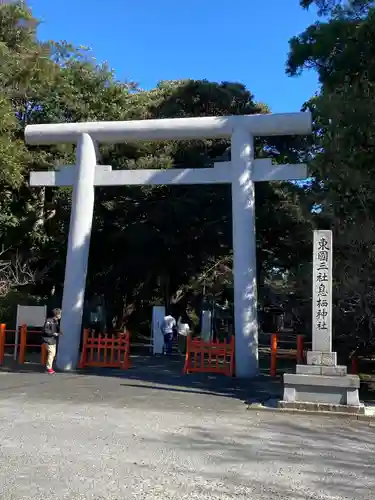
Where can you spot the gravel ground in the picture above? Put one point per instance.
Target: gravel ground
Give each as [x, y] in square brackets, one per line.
[81, 437]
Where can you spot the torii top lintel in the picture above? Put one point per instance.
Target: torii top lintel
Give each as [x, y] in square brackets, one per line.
[171, 128]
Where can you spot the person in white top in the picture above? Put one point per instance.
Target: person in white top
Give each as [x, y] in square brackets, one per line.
[183, 330]
[167, 327]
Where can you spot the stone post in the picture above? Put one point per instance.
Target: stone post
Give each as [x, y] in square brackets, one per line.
[321, 384]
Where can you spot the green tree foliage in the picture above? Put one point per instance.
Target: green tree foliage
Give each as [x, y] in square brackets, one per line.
[339, 7]
[341, 50]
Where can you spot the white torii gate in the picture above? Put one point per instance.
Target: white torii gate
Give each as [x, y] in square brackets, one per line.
[241, 172]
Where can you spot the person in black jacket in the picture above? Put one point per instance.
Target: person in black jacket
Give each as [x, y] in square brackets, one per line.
[51, 332]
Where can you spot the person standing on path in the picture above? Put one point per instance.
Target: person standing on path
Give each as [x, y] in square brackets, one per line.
[183, 330]
[167, 328]
[51, 332]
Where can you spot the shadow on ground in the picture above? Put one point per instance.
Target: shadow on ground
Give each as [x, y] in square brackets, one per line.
[318, 453]
[162, 373]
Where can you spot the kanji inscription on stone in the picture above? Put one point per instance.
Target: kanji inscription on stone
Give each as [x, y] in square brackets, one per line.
[322, 291]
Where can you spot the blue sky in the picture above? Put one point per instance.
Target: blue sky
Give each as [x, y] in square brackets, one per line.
[154, 40]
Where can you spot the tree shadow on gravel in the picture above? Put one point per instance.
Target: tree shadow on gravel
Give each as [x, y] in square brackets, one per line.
[161, 373]
[327, 460]
[156, 374]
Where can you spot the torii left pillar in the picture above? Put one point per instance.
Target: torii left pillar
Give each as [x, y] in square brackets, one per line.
[81, 217]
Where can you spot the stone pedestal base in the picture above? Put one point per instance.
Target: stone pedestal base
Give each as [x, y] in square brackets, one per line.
[332, 370]
[321, 385]
[322, 407]
[310, 387]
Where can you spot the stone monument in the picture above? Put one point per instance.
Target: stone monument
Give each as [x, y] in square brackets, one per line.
[321, 384]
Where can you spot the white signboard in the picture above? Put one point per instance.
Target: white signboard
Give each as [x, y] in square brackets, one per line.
[30, 316]
[158, 313]
[206, 327]
[322, 291]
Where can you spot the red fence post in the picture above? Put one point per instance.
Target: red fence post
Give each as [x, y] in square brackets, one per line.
[273, 355]
[43, 354]
[126, 363]
[23, 341]
[354, 367]
[83, 359]
[187, 355]
[300, 354]
[233, 347]
[2, 342]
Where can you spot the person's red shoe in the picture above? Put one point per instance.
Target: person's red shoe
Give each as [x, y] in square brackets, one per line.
[50, 371]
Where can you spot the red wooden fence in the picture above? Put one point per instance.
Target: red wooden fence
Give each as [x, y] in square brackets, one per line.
[300, 353]
[105, 351]
[209, 357]
[24, 345]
